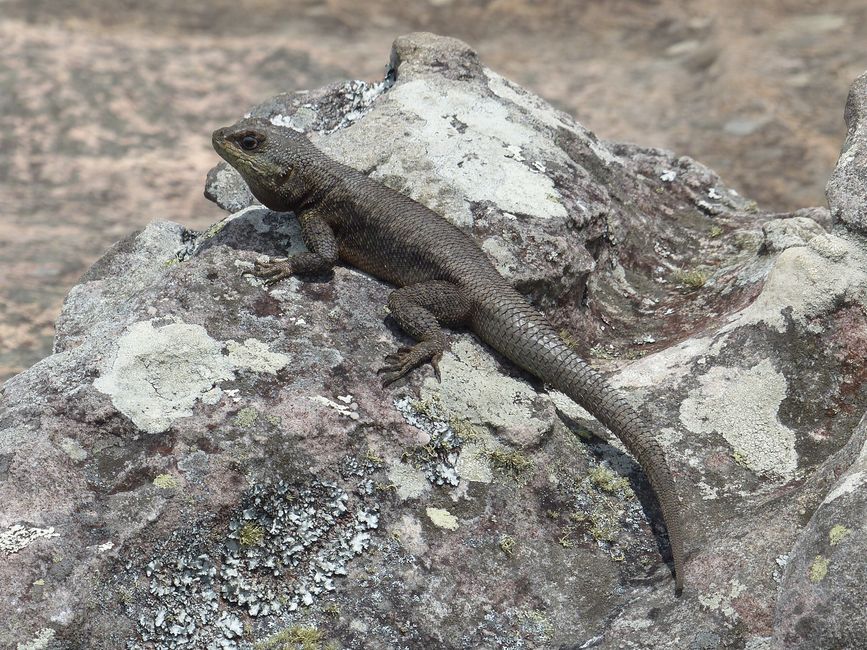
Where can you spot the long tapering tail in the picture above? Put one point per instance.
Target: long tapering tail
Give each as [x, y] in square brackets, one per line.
[592, 391]
[511, 326]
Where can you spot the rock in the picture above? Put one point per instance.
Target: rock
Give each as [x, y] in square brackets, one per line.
[822, 601]
[845, 191]
[782, 233]
[206, 462]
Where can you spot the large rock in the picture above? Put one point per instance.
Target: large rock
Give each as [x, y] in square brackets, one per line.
[845, 190]
[205, 462]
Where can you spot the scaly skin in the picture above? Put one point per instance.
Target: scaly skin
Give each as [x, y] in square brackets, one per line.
[444, 278]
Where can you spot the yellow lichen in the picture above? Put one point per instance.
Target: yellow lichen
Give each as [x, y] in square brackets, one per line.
[372, 457]
[819, 568]
[837, 533]
[604, 525]
[274, 420]
[246, 417]
[165, 481]
[464, 429]
[215, 229]
[442, 518]
[507, 545]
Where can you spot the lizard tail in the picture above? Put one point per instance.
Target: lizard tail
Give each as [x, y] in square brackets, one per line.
[592, 391]
[525, 337]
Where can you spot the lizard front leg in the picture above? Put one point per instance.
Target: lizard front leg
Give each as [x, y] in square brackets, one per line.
[320, 258]
[420, 309]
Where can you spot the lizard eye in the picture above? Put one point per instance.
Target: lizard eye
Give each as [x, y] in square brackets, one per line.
[249, 142]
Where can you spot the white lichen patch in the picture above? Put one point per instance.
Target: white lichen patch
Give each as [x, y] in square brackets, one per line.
[721, 601]
[468, 144]
[708, 492]
[18, 537]
[410, 482]
[104, 548]
[350, 411]
[254, 355]
[542, 111]
[670, 364]
[442, 518]
[160, 370]
[42, 641]
[473, 463]
[408, 531]
[741, 405]
[473, 386]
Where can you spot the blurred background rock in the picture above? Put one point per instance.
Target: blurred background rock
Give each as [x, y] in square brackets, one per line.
[106, 106]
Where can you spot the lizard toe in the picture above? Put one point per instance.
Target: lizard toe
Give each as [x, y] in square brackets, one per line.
[272, 272]
[406, 359]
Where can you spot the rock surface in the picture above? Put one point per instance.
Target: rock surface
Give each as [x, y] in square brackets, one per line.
[204, 462]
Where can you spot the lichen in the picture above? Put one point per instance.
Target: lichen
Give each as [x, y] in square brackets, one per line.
[758, 439]
[819, 568]
[73, 449]
[165, 481]
[437, 459]
[508, 544]
[17, 537]
[162, 367]
[442, 518]
[282, 548]
[42, 641]
[604, 504]
[837, 533]
[246, 417]
[534, 622]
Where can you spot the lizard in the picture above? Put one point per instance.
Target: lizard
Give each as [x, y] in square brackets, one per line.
[443, 278]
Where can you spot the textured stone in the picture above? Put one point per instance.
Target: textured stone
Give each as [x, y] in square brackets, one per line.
[846, 196]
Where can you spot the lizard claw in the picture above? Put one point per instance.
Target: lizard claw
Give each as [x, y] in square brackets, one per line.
[272, 272]
[405, 359]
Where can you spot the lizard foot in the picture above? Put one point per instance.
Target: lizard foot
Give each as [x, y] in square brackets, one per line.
[272, 272]
[405, 359]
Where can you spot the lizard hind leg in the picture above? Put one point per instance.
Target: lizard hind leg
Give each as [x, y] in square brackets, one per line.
[420, 310]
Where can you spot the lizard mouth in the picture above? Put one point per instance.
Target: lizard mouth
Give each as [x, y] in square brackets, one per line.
[218, 141]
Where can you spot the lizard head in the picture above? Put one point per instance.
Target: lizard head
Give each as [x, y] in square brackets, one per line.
[269, 158]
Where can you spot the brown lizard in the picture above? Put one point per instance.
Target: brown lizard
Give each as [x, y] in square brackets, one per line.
[442, 275]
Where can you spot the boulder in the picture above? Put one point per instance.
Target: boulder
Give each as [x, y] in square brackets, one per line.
[208, 462]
